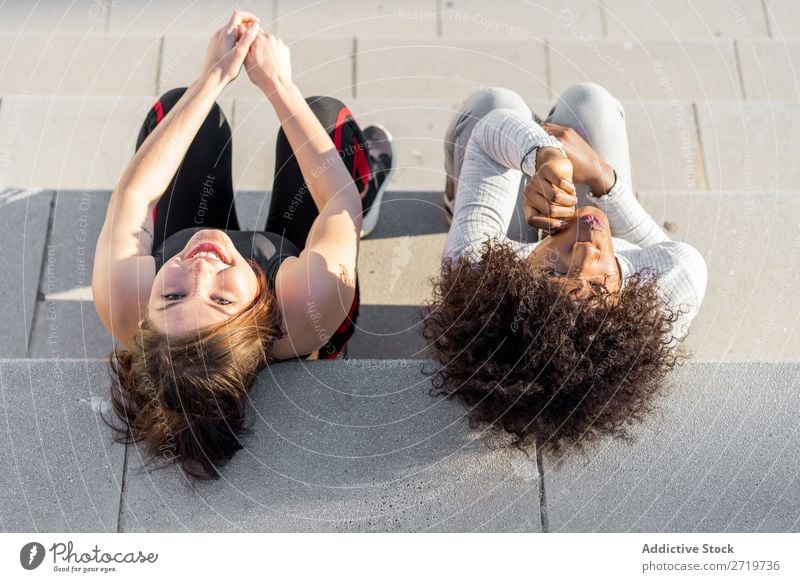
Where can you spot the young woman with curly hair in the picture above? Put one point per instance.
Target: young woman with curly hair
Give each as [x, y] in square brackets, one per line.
[200, 306]
[570, 338]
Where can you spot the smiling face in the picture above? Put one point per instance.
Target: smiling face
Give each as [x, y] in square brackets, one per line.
[206, 283]
[581, 256]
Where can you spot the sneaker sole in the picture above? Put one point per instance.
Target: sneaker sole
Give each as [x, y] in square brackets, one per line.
[370, 221]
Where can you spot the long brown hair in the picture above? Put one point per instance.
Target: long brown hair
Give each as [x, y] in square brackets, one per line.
[184, 396]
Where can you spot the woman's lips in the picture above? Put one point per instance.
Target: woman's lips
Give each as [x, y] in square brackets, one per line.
[593, 222]
[209, 247]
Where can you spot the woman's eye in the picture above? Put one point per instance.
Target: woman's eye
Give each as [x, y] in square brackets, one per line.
[222, 301]
[172, 296]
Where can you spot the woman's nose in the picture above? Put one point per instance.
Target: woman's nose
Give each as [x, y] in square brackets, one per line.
[584, 256]
[200, 265]
[200, 271]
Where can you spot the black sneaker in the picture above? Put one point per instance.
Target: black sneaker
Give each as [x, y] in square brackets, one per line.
[381, 155]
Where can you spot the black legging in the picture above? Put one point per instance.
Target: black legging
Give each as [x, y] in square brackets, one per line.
[201, 192]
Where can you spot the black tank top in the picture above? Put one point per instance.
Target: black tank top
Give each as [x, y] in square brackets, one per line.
[268, 249]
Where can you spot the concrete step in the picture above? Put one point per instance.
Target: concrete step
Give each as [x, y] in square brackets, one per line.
[138, 63]
[427, 18]
[750, 240]
[85, 142]
[360, 445]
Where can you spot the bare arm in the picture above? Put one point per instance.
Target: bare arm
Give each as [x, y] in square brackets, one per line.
[124, 268]
[316, 290]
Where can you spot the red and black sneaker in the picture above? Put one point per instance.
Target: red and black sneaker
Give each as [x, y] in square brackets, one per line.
[381, 154]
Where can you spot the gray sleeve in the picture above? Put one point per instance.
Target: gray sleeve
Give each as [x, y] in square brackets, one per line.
[627, 218]
[682, 277]
[502, 146]
[681, 269]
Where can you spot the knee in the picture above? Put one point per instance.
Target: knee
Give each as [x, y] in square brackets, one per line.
[326, 109]
[171, 97]
[168, 100]
[485, 100]
[589, 95]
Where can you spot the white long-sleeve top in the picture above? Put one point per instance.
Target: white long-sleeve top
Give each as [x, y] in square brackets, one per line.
[503, 146]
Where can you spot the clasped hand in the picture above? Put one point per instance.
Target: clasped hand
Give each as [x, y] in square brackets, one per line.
[550, 196]
[242, 42]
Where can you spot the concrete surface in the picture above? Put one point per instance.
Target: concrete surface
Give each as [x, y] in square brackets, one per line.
[69, 328]
[318, 65]
[770, 69]
[721, 458]
[61, 471]
[78, 64]
[784, 18]
[750, 146]
[77, 220]
[415, 18]
[180, 16]
[49, 16]
[665, 149]
[355, 18]
[648, 69]
[518, 20]
[685, 19]
[69, 142]
[751, 244]
[360, 445]
[333, 450]
[403, 68]
[23, 230]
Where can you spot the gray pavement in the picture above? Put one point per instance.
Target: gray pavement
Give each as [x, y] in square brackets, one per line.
[23, 230]
[361, 445]
[61, 470]
[751, 244]
[418, 18]
[78, 64]
[721, 458]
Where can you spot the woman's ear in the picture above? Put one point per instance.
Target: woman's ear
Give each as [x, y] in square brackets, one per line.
[139, 325]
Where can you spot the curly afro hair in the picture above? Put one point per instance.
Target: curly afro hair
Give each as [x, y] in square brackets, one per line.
[549, 368]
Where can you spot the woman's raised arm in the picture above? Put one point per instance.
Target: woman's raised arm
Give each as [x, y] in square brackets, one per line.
[322, 280]
[123, 266]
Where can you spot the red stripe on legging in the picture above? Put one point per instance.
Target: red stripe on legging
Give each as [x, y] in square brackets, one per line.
[346, 325]
[361, 170]
[348, 321]
[159, 111]
[361, 165]
[344, 113]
